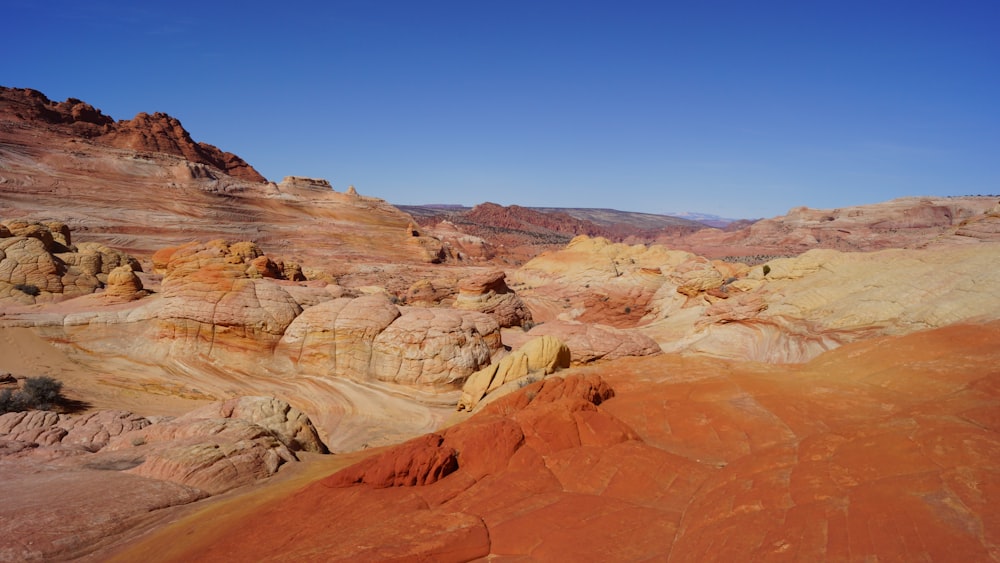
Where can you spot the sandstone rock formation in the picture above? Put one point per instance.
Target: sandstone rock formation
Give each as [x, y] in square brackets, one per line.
[591, 342]
[431, 292]
[911, 222]
[488, 293]
[38, 263]
[370, 338]
[538, 357]
[110, 468]
[822, 299]
[123, 285]
[158, 132]
[594, 280]
[880, 450]
[488, 442]
[213, 297]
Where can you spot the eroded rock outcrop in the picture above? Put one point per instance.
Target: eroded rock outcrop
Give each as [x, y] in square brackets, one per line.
[488, 293]
[214, 294]
[370, 338]
[594, 280]
[485, 444]
[591, 342]
[539, 357]
[157, 132]
[792, 309]
[214, 448]
[39, 264]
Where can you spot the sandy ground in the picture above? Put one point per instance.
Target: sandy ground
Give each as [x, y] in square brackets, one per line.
[24, 353]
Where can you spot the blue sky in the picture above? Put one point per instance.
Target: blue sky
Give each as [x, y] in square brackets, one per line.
[741, 109]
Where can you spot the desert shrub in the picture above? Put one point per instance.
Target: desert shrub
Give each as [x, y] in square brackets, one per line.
[628, 310]
[27, 288]
[41, 392]
[10, 401]
[767, 269]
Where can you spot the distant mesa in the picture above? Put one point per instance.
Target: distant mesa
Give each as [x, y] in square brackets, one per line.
[157, 132]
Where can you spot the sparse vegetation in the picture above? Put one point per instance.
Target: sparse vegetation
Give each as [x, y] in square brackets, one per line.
[767, 269]
[41, 393]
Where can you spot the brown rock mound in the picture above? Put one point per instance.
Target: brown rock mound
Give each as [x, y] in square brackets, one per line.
[488, 293]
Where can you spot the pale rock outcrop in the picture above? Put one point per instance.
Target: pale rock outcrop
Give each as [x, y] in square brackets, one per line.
[591, 342]
[214, 448]
[594, 280]
[461, 245]
[541, 356]
[87, 432]
[210, 299]
[696, 275]
[488, 293]
[222, 445]
[792, 309]
[28, 272]
[428, 249]
[290, 425]
[430, 292]
[370, 338]
[107, 258]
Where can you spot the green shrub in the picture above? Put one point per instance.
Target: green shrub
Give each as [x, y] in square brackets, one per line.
[767, 269]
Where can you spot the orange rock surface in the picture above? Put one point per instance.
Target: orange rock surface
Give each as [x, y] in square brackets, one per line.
[886, 449]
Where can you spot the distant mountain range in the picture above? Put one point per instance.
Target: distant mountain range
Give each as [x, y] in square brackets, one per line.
[597, 216]
[704, 218]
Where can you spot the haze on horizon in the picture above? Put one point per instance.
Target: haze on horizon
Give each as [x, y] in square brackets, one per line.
[730, 108]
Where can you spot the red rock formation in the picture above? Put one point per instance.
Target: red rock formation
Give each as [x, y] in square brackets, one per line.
[158, 132]
[881, 450]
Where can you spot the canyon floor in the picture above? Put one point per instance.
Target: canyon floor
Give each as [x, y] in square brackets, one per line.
[271, 371]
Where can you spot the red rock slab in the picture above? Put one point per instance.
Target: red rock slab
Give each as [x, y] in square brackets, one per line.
[351, 524]
[874, 451]
[577, 527]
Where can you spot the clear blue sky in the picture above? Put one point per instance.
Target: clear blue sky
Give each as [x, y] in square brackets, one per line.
[738, 108]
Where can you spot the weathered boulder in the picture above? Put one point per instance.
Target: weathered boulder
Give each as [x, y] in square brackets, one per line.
[429, 293]
[488, 293]
[290, 425]
[123, 285]
[541, 356]
[370, 338]
[696, 275]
